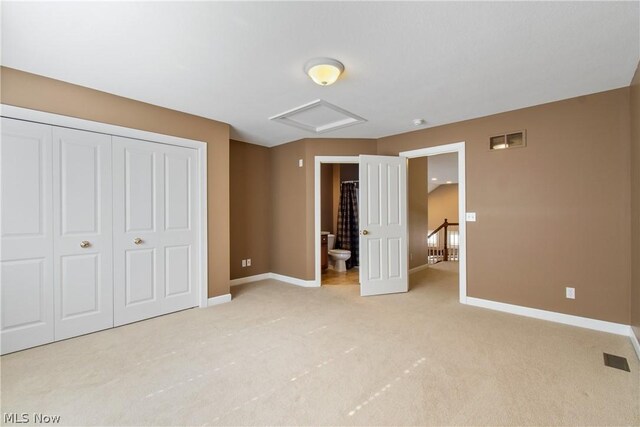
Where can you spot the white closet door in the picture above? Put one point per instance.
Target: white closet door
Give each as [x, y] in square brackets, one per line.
[155, 235]
[26, 254]
[82, 226]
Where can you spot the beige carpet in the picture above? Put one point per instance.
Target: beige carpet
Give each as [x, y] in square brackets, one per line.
[284, 355]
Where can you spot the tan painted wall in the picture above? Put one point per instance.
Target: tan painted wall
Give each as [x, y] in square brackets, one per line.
[326, 198]
[288, 210]
[292, 216]
[292, 189]
[418, 192]
[250, 173]
[40, 93]
[553, 214]
[336, 195]
[635, 202]
[349, 172]
[443, 203]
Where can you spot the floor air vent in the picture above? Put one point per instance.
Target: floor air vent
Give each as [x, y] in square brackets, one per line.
[617, 362]
[318, 117]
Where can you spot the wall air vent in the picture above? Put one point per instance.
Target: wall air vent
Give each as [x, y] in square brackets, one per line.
[508, 140]
[318, 117]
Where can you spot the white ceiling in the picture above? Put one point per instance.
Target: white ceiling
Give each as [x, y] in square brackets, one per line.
[241, 62]
[443, 167]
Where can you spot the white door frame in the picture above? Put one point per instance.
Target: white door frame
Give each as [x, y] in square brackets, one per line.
[26, 114]
[319, 160]
[458, 148]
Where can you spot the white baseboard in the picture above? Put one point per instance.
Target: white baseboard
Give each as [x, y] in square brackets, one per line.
[274, 276]
[249, 279]
[419, 268]
[634, 342]
[218, 300]
[567, 319]
[294, 281]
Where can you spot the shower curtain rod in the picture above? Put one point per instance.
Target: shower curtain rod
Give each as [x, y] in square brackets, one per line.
[347, 182]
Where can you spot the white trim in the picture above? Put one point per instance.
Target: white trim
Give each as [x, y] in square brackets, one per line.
[634, 342]
[458, 147]
[294, 280]
[316, 211]
[218, 300]
[419, 268]
[203, 239]
[567, 319]
[26, 114]
[275, 276]
[288, 117]
[20, 113]
[249, 279]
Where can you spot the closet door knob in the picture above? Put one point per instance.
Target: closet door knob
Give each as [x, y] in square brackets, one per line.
[137, 241]
[365, 232]
[85, 244]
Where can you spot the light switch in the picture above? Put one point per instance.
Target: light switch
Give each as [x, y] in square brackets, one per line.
[244, 262]
[300, 163]
[471, 217]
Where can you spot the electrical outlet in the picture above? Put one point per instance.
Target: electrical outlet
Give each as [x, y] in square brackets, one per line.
[470, 216]
[570, 293]
[244, 262]
[249, 262]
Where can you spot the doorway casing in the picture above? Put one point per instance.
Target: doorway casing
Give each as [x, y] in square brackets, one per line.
[458, 148]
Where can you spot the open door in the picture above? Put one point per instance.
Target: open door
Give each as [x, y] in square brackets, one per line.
[383, 225]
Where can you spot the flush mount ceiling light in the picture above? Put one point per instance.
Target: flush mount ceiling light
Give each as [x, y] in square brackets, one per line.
[323, 71]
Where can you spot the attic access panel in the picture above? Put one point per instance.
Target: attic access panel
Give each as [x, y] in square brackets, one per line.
[318, 117]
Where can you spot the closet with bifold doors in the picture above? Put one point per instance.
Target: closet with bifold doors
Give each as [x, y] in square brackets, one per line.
[97, 231]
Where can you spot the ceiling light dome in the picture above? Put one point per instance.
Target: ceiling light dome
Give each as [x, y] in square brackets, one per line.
[324, 71]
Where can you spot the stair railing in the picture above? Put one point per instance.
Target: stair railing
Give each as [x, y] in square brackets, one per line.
[444, 246]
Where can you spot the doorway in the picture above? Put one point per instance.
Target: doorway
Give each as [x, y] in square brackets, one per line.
[336, 221]
[446, 236]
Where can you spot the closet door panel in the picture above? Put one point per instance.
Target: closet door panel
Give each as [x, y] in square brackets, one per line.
[179, 239]
[26, 248]
[140, 274]
[138, 200]
[83, 232]
[79, 192]
[80, 281]
[139, 186]
[154, 235]
[177, 197]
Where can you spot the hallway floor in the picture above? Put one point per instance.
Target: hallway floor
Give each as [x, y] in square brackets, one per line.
[279, 354]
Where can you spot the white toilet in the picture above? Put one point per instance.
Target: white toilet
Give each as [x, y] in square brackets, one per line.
[337, 257]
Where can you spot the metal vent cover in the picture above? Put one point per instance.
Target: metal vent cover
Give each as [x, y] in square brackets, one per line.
[318, 116]
[617, 362]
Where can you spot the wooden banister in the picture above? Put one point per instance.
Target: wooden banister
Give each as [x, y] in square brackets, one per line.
[446, 224]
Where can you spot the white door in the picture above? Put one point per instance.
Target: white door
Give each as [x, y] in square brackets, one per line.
[82, 229]
[26, 252]
[155, 229]
[383, 225]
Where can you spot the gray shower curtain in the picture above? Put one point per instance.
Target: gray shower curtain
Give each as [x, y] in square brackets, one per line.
[347, 236]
